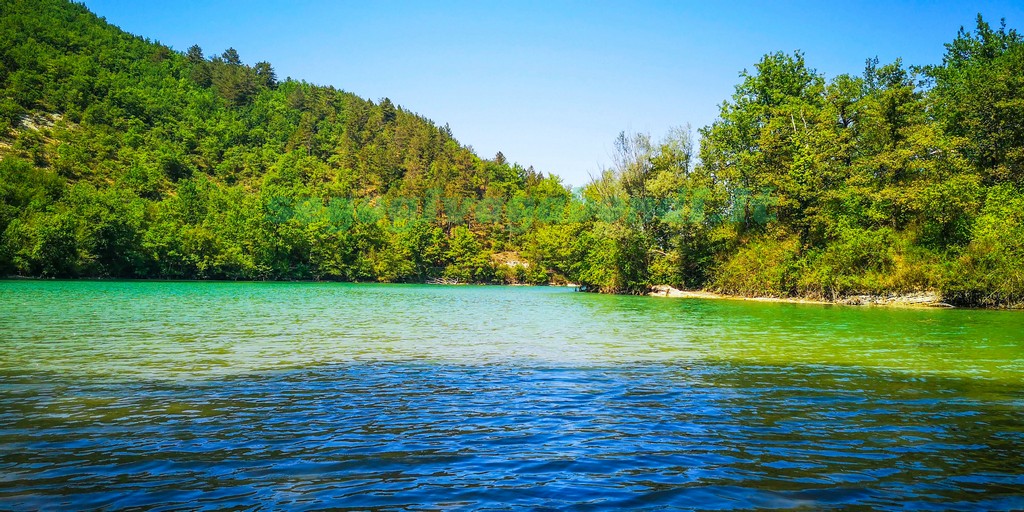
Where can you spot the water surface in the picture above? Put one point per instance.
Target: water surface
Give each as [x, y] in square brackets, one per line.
[306, 396]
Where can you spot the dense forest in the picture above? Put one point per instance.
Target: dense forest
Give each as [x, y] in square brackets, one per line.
[120, 157]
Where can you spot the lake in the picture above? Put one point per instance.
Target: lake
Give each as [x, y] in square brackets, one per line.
[173, 395]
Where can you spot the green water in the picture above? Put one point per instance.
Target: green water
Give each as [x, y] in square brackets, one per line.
[179, 330]
[305, 395]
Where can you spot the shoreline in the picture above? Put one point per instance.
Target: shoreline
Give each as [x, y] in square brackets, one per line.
[906, 300]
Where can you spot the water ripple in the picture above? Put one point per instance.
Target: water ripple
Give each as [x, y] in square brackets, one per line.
[416, 436]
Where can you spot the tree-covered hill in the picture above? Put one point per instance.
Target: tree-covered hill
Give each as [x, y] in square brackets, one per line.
[120, 157]
[123, 158]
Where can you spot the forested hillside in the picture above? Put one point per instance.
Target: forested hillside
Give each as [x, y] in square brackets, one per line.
[120, 157]
[123, 158]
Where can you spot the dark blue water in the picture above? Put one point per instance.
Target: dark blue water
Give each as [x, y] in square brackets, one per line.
[410, 436]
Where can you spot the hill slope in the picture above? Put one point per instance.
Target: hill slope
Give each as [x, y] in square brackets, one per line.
[123, 158]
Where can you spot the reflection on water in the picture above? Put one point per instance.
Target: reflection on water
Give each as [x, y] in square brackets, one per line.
[305, 396]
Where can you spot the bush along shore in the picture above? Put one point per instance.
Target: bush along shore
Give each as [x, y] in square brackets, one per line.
[123, 158]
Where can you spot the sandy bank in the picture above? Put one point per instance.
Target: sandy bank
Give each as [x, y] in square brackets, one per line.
[922, 299]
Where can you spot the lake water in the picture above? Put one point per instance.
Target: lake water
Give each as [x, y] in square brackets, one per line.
[304, 396]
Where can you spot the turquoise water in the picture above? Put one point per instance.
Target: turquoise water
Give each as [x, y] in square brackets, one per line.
[306, 395]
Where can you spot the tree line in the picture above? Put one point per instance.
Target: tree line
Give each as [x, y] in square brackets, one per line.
[120, 157]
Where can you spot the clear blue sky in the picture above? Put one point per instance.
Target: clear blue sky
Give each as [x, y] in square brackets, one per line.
[551, 83]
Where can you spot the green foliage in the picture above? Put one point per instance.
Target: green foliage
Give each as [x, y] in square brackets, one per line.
[467, 261]
[764, 267]
[989, 271]
[977, 98]
[122, 158]
[866, 261]
[877, 185]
